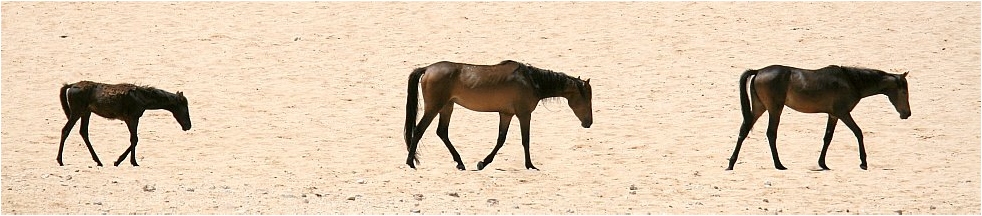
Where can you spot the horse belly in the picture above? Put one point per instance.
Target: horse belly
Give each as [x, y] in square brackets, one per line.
[106, 109]
[490, 101]
[808, 105]
[480, 107]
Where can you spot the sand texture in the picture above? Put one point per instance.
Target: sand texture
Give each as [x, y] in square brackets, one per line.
[298, 108]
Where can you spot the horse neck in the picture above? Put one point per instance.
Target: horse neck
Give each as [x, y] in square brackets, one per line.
[159, 104]
[870, 91]
[158, 100]
[548, 84]
[558, 92]
[872, 87]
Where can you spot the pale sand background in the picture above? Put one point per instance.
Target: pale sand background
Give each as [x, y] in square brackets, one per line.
[294, 104]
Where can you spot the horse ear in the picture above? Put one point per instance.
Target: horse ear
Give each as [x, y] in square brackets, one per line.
[904, 75]
[587, 81]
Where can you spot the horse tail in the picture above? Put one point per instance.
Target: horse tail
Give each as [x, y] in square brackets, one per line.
[744, 98]
[63, 95]
[412, 105]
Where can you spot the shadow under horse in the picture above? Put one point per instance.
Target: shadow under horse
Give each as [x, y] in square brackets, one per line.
[509, 88]
[125, 102]
[834, 90]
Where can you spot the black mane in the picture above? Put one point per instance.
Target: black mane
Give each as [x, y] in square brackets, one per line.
[155, 97]
[155, 92]
[865, 76]
[548, 83]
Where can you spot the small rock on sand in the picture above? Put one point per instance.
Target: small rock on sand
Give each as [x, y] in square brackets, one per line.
[492, 202]
[149, 188]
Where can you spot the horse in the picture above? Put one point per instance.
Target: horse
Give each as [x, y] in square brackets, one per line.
[834, 90]
[509, 88]
[125, 102]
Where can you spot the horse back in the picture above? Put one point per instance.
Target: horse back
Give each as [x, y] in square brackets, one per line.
[797, 79]
[112, 101]
[473, 76]
[808, 91]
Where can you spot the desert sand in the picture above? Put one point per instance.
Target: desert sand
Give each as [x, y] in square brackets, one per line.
[298, 108]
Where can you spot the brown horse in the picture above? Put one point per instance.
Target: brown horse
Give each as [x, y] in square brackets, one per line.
[125, 102]
[509, 88]
[833, 90]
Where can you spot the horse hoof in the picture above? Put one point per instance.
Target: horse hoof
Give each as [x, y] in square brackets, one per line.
[116, 163]
[480, 165]
[411, 165]
[862, 166]
[461, 167]
[781, 167]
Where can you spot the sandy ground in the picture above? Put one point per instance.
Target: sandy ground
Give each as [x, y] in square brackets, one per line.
[298, 108]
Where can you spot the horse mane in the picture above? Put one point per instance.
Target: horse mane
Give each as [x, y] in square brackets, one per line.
[865, 76]
[153, 91]
[157, 94]
[548, 83]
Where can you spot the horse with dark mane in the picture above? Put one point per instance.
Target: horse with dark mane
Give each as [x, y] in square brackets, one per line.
[125, 102]
[509, 88]
[834, 90]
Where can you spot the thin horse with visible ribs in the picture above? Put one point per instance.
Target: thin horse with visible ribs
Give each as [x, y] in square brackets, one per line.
[509, 88]
[125, 102]
[833, 90]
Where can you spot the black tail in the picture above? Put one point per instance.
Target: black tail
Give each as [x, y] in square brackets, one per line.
[64, 100]
[744, 98]
[412, 106]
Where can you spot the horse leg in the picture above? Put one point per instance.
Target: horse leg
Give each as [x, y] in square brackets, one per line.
[443, 131]
[424, 122]
[847, 119]
[502, 133]
[84, 131]
[773, 121]
[64, 135]
[829, 129]
[524, 121]
[132, 125]
[757, 109]
[748, 123]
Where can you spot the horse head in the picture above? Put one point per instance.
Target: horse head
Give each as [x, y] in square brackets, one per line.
[180, 111]
[581, 102]
[896, 90]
